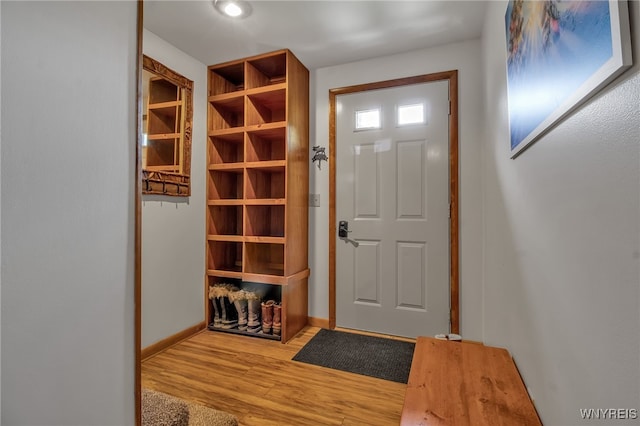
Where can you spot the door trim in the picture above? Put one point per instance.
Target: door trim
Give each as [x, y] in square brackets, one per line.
[137, 297]
[452, 78]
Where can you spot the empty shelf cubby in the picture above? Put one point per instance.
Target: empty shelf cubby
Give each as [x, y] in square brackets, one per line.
[264, 258]
[226, 148]
[265, 221]
[225, 220]
[224, 256]
[225, 185]
[266, 107]
[266, 183]
[266, 144]
[266, 71]
[226, 113]
[226, 79]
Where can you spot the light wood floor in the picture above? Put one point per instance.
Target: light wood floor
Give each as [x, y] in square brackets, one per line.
[256, 380]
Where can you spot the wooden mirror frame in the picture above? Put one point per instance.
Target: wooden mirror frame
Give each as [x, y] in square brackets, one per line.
[165, 182]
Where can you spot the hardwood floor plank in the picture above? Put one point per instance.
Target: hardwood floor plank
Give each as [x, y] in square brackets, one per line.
[256, 380]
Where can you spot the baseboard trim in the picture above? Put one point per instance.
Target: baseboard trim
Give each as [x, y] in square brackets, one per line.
[166, 343]
[318, 322]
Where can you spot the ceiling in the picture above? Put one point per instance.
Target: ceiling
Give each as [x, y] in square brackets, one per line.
[319, 33]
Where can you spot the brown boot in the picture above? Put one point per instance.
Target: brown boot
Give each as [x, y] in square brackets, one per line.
[277, 322]
[267, 316]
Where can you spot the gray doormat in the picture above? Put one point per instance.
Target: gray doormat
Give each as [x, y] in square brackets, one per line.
[355, 353]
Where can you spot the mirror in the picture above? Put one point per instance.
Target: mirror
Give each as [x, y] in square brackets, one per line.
[167, 122]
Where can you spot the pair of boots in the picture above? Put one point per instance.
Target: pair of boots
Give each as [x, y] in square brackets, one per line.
[271, 318]
[248, 308]
[225, 315]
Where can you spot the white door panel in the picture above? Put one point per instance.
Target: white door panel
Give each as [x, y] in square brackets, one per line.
[392, 186]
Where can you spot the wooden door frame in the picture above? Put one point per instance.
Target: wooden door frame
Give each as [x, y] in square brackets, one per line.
[138, 222]
[452, 78]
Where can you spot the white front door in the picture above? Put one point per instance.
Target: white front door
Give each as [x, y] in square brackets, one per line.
[392, 188]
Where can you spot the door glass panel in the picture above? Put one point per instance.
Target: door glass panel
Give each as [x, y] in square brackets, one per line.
[410, 114]
[368, 119]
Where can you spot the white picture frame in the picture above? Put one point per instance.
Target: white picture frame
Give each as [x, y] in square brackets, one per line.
[559, 54]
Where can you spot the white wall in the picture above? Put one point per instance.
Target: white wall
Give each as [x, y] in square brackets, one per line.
[173, 228]
[68, 151]
[561, 244]
[465, 57]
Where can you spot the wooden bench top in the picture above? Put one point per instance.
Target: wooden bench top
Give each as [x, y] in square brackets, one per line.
[458, 384]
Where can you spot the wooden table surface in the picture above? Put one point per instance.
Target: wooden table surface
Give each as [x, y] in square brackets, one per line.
[458, 383]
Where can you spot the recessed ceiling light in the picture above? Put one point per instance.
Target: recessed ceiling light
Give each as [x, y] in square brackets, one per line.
[233, 8]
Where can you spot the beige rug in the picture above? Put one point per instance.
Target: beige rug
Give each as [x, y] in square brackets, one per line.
[160, 409]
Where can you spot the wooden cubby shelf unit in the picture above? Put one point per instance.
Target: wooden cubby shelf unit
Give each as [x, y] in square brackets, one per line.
[258, 181]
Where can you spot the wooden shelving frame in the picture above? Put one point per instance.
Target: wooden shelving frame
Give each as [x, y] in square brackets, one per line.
[258, 179]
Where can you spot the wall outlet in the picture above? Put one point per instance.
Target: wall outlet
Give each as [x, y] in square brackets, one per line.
[314, 200]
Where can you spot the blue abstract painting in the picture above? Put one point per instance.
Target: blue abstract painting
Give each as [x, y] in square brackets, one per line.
[558, 53]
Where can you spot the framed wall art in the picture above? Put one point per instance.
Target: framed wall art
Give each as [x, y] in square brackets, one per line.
[560, 53]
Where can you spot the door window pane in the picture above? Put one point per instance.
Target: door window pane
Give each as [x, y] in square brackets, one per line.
[411, 114]
[368, 119]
